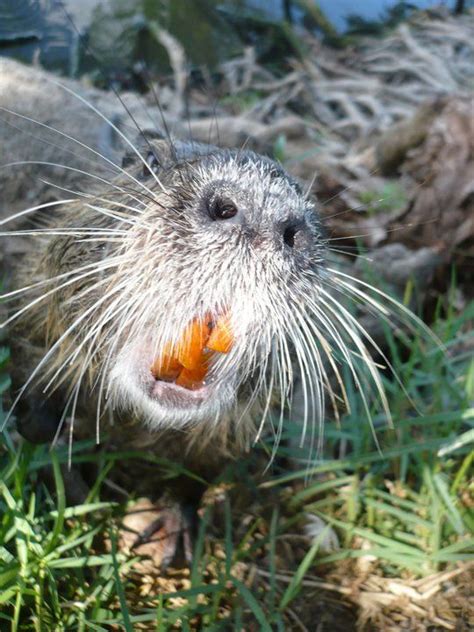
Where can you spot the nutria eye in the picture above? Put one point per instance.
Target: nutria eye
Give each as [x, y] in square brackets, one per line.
[152, 164]
[289, 235]
[222, 209]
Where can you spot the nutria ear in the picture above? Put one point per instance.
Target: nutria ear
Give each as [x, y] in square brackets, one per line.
[160, 151]
[143, 141]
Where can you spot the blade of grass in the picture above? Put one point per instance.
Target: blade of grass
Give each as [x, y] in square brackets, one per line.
[118, 585]
[294, 586]
[61, 503]
[253, 604]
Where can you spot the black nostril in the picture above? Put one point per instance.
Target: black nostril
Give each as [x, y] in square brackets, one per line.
[289, 235]
[221, 208]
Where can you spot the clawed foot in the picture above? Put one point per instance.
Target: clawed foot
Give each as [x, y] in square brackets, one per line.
[164, 533]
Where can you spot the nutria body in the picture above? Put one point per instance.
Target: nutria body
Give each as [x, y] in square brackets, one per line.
[100, 284]
[171, 308]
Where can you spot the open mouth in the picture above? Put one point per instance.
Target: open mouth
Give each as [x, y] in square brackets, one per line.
[186, 380]
[185, 364]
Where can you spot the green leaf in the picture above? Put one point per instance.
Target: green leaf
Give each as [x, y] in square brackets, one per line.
[61, 503]
[83, 561]
[8, 594]
[81, 510]
[459, 442]
[118, 584]
[453, 514]
[253, 604]
[5, 555]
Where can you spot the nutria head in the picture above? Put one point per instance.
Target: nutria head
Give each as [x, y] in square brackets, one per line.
[181, 289]
[219, 258]
[193, 283]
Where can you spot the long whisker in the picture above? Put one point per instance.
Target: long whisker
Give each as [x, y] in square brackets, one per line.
[141, 185]
[90, 196]
[103, 266]
[21, 163]
[410, 316]
[113, 169]
[49, 280]
[80, 319]
[33, 209]
[116, 130]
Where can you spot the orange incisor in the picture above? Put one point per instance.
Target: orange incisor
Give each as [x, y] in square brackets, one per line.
[187, 362]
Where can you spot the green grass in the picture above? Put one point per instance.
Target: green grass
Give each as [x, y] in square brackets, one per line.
[61, 568]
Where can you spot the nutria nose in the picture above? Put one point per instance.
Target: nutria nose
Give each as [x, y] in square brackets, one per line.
[289, 234]
[221, 208]
[295, 234]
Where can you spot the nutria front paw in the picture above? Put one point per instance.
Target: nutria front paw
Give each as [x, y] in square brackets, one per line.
[162, 532]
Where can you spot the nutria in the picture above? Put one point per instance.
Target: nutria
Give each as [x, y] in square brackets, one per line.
[171, 309]
[188, 235]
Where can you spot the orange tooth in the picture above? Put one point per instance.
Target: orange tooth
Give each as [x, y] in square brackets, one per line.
[192, 378]
[221, 338]
[166, 366]
[192, 343]
[187, 362]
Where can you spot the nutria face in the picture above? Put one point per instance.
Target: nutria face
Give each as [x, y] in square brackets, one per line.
[217, 266]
